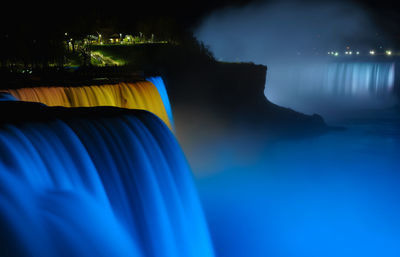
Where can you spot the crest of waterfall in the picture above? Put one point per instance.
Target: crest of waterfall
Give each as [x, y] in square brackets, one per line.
[147, 95]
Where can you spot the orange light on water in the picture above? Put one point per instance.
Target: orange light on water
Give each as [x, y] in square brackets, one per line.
[138, 95]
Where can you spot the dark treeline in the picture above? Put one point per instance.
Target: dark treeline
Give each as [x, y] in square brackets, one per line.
[35, 46]
[32, 34]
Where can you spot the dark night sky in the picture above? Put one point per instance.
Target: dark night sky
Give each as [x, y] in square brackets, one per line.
[61, 13]
[78, 15]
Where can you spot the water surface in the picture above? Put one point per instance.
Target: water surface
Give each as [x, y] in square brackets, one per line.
[337, 194]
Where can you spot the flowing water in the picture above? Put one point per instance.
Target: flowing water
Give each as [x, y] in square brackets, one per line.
[331, 88]
[147, 95]
[97, 185]
[96, 181]
[337, 194]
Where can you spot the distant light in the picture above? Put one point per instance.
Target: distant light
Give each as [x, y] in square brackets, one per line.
[357, 53]
[372, 52]
[350, 52]
[336, 54]
[329, 53]
[388, 52]
[66, 33]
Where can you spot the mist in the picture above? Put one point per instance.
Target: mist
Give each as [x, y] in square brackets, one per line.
[293, 38]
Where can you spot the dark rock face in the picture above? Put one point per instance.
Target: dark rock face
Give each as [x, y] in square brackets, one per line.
[234, 94]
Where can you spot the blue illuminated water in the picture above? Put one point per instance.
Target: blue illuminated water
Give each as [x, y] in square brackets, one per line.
[331, 88]
[6, 97]
[107, 186]
[160, 85]
[332, 195]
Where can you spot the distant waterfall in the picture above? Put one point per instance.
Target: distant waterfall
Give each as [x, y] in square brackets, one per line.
[348, 79]
[308, 85]
[95, 182]
[147, 95]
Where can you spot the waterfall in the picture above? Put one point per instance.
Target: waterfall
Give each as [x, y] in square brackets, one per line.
[316, 85]
[99, 181]
[369, 79]
[147, 95]
[159, 83]
[7, 97]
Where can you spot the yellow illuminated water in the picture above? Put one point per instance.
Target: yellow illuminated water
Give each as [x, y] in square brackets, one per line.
[137, 95]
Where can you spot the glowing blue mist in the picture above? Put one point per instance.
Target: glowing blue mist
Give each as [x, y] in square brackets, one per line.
[333, 195]
[159, 83]
[111, 186]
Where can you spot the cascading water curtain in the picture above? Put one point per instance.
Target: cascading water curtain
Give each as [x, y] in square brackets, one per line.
[108, 182]
[149, 95]
[159, 83]
[370, 79]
